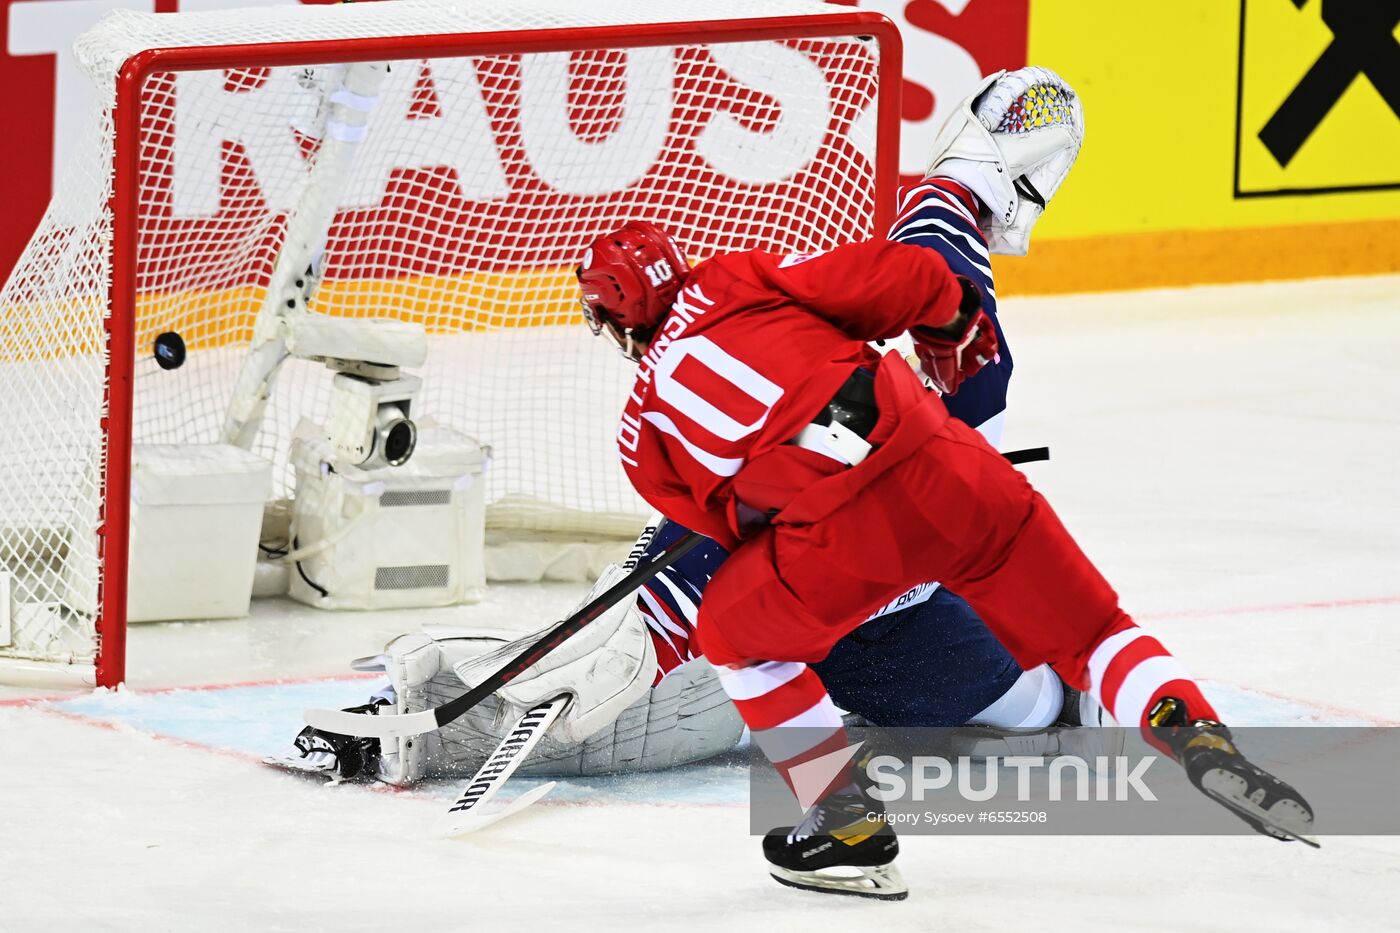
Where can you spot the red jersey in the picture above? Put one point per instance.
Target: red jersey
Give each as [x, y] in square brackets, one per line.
[752, 350]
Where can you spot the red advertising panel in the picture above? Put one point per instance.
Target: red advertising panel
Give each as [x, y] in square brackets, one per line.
[46, 98]
[948, 46]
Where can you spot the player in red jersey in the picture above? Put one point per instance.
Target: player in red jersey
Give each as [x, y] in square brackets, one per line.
[762, 417]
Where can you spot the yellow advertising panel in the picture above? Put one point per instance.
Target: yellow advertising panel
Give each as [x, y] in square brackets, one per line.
[1225, 140]
[1319, 97]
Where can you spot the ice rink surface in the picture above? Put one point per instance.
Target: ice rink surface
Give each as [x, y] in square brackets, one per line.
[1228, 455]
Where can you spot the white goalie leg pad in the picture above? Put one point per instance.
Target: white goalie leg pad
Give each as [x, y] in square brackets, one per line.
[1083, 728]
[1012, 142]
[690, 718]
[1032, 702]
[603, 669]
[421, 674]
[686, 717]
[1098, 736]
[419, 667]
[410, 661]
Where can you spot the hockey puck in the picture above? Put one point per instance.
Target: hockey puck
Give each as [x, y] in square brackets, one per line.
[170, 350]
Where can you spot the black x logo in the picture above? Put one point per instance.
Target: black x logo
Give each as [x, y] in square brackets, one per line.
[1361, 44]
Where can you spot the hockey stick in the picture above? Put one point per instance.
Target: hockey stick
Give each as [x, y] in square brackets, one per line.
[1029, 455]
[465, 816]
[393, 726]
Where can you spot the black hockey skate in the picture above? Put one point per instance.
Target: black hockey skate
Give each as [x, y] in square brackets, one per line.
[836, 849]
[1207, 751]
[338, 757]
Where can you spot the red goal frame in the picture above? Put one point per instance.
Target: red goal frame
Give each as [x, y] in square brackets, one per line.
[114, 510]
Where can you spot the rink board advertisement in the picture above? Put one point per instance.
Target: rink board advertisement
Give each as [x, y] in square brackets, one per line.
[1318, 92]
[1175, 185]
[1215, 129]
[974, 781]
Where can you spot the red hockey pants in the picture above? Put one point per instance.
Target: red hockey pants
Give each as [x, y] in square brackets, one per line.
[946, 507]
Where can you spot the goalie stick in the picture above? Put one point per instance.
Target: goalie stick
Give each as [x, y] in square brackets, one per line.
[399, 725]
[466, 814]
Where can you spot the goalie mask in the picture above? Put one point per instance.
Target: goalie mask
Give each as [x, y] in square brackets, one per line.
[629, 278]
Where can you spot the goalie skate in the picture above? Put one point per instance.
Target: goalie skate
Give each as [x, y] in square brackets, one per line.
[327, 754]
[1207, 751]
[836, 849]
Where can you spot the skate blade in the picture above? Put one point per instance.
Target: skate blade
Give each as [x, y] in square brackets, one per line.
[473, 820]
[321, 766]
[882, 882]
[1224, 787]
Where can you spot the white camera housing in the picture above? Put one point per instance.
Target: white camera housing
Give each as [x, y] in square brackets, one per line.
[370, 422]
[391, 537]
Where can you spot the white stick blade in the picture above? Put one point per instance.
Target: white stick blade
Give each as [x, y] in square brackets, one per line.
[459, 824]
[384, 726]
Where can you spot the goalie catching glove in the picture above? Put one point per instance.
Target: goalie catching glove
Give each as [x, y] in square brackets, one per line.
[1011, 143]
[605, 668]
[950, 354]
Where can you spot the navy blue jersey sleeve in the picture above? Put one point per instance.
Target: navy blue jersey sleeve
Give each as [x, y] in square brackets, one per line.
[693, 571]
[669, 603]
[938, 214]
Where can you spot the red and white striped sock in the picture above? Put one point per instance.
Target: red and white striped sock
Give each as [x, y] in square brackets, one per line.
[1130, 671]
[789, 712]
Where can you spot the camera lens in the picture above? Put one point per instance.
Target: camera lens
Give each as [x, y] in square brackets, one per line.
[399, 436]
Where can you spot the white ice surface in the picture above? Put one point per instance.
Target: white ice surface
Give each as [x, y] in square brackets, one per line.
[1228, 457]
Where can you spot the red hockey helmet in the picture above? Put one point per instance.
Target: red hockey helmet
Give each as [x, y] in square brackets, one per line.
[629, 278]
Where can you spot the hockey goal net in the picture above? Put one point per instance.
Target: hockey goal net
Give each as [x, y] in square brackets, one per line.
[501, 137]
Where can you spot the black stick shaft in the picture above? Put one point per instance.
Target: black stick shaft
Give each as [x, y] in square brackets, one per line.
[561, 632]
[1029, 455]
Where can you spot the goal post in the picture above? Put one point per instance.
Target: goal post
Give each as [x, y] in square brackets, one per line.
[505, 137]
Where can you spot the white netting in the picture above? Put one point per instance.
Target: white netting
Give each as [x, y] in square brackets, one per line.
[465, 206]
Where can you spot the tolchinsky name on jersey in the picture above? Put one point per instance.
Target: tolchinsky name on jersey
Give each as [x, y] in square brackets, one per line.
[689, 304]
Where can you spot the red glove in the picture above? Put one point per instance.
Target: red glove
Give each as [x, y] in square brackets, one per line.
[951, 353]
